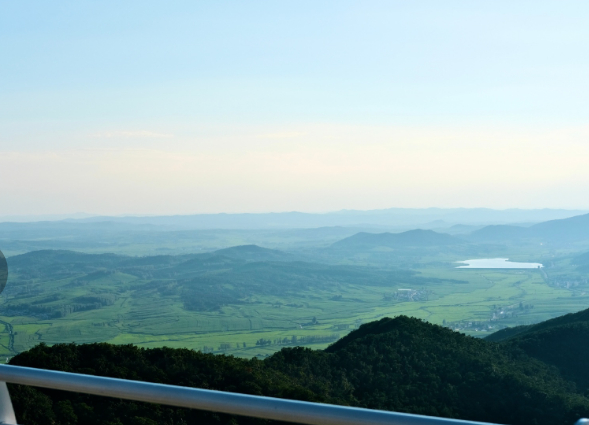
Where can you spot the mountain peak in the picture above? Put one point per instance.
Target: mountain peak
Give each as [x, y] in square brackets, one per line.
[397, 325]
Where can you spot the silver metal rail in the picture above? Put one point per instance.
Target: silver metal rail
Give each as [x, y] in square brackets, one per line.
[216, 401]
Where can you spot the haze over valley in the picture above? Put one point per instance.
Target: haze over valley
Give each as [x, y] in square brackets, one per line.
[175, 281]
[379, 205]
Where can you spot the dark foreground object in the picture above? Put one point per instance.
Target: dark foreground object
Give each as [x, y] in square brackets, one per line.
[299, 412]
[3, 272]
[400, 364]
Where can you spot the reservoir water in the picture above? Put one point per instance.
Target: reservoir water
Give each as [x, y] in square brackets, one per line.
[496, 263]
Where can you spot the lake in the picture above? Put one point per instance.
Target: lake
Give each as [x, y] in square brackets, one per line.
[496, 263]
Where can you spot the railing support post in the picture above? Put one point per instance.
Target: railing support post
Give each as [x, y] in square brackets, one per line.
[7, 416]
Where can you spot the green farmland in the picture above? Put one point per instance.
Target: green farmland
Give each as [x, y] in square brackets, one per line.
[250, 308]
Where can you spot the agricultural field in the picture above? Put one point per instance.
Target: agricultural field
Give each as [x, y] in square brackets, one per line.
[251, 301]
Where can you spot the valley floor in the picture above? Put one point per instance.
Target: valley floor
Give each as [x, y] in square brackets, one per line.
[475, 302]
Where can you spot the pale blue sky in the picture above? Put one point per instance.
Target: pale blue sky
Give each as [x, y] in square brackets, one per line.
[306, 105]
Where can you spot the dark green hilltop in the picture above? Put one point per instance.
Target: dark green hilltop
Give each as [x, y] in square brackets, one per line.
[529, 375]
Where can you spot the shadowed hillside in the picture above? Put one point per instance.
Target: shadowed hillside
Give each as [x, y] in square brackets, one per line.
[562, 342]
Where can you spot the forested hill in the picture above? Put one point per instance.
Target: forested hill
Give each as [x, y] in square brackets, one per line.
[556, 323]
[562, 342]
[400, 364]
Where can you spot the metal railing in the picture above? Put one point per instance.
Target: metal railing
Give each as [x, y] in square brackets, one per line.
[216, 401]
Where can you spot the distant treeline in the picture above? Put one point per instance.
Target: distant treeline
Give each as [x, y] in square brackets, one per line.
[294, 340]
[303, 340]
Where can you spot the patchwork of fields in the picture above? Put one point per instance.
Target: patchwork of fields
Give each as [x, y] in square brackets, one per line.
[282, 303]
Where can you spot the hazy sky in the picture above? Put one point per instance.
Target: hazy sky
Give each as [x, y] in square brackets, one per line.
[223, 106]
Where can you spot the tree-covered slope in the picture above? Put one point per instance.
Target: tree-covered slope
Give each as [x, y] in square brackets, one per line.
[161, 365]
[519, 331]
[562, 342]
[404, 364]
[399, 364]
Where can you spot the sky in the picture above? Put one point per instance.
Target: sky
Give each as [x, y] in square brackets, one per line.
[185, 107]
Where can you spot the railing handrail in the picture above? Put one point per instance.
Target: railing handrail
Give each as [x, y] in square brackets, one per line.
[216, 401]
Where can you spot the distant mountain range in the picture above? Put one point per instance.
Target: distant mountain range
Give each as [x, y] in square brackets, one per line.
[417, 238]
[390, 218]
[564, 230]
[165, 235]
